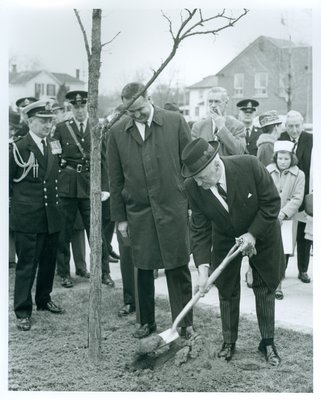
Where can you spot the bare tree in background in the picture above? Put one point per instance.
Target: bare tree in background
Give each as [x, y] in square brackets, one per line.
[192, 23]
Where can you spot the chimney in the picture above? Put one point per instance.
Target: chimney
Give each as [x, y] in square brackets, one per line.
[77, 73]
[14, 68]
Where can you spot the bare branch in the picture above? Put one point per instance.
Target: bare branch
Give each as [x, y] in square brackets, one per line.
[104, 44]
[84, 34]
[170, 24]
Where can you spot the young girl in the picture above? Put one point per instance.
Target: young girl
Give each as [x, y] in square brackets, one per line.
[289, 180]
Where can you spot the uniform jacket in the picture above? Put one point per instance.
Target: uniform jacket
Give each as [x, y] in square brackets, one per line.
[254, 205]
[34, 201]
[303, 152]
[290, 185]
[265, 148]
[71, 182]
[251, 146]
[147, 190]
[231, 137]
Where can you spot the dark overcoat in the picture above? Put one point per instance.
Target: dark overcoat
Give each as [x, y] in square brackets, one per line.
[254, 205]
[147, 189]
[73, 183]
[251, 145]
[34, 206]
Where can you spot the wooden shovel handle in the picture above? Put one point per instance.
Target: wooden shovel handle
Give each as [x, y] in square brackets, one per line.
[234, 251]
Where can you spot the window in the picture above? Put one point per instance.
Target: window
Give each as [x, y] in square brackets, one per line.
[197, 111]
[39, 89]
[260, 84]
[201, 94]
[238, 85]
[51, 90]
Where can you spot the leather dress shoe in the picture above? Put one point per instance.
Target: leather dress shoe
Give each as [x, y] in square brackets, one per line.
[52, 307]
[113, 254]
[227, 351]
[144, 330]
[304, 277]
[126, 310]
[106, 280]
[270, 354]
[24, 324]
[67, 282]
[83, 274]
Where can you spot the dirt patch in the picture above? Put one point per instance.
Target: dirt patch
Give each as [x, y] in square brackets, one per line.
[53, 355]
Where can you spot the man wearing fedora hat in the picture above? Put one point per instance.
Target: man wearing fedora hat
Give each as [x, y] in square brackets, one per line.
[247, 112]
[235, 198]
[34, 212]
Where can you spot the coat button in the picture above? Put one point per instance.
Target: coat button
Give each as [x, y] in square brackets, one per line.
[44, 189]
[44, 181]
[57, 195]
[56, 180]
[56, 187]
[57, 202]
[46, 204]
[46, 197]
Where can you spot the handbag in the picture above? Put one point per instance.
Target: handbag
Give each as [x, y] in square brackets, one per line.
[308, 204]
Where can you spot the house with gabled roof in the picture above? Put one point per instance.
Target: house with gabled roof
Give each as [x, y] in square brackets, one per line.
[275, 72]
[40, 84]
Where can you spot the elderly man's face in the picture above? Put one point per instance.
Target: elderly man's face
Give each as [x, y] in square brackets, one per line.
[294, 126]
[217, 102]
[40, 126]
[79, 112]
[140, 110]
[211, 174]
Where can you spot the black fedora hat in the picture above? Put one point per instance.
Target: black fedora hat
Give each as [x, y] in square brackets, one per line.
[197, 155]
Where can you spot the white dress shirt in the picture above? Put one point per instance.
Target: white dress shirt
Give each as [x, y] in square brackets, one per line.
[222, 182]
[141, 126]
[38, 140]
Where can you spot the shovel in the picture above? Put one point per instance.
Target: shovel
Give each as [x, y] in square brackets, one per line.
[152, 343]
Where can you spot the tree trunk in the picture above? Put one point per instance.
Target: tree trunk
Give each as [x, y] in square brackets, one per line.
[94, 320]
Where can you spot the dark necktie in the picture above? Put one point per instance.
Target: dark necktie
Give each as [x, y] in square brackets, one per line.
[81, 129]
[45, 150]
[247, 130]
[221, 191]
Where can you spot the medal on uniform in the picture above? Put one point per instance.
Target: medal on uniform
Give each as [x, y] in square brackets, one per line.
[55, 147]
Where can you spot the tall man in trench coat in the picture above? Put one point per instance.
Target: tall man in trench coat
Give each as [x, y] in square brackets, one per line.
[235, 197]
[148, 201]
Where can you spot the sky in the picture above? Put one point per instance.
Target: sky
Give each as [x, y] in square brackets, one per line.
[52, 38]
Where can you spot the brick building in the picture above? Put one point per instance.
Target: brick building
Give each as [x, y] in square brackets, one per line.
[276, 72]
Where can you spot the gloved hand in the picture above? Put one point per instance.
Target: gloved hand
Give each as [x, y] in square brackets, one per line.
[246, 243]
[105, 196]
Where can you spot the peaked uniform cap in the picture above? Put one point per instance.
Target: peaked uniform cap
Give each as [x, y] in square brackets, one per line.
[248, 105]
[25, 101]
[40, 109]
[77, 97]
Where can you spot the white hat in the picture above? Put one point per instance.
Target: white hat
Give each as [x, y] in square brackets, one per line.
[283, 145]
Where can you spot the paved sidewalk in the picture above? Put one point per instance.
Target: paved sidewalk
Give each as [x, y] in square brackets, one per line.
[295, 311]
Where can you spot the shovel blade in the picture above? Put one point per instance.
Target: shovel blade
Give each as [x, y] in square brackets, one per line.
[169, 335]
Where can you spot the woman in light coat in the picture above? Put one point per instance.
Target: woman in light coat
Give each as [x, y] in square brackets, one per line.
[290, 181]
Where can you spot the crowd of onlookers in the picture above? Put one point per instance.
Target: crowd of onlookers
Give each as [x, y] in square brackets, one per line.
[157, 208]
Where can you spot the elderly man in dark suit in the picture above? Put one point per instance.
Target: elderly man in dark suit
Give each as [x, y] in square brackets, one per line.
[149, 203]
[235, 198]
[219, 127]
[303, 150]
[247, 112]
[34, 213]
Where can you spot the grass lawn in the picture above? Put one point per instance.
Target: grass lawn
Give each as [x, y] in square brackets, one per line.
[53, 355]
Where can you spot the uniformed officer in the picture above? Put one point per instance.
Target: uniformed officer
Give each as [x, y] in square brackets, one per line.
[247, 114]
[34, 213]
[74, 179]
